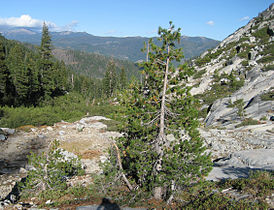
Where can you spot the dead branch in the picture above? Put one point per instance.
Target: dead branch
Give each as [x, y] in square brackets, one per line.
[121, 167]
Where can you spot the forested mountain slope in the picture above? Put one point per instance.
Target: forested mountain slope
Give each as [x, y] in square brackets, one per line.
[119, 47]
[92, 64]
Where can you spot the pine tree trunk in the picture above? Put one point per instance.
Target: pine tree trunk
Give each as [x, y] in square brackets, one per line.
[158, 191]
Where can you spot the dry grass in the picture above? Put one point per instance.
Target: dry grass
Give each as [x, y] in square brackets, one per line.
[90, 154]
[25, 128]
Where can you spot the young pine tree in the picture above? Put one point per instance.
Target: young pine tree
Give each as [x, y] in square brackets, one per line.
[46, 63]
[123, 79]
[110, 79]
[161, 149]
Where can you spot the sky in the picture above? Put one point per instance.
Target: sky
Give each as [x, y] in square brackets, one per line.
[214, 19]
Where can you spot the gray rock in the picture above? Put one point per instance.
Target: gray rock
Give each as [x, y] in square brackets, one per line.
[240, 163]
[3, 137]
[80, 127]
[254, 107]
[8, 131]
[98, 125]
[49, 128]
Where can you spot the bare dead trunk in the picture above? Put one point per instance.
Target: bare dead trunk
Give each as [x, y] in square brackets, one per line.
[121, 168]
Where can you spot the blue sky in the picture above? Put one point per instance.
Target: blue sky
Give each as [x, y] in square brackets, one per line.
[209, 18]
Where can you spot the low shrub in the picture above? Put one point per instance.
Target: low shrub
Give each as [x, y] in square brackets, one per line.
[199, 74]
[262, 35]
[266, 59]
[268, 96]
[49, 170]
[202, 113]
[268, 68]
[244, 63]
[248, 121]
[70, 107]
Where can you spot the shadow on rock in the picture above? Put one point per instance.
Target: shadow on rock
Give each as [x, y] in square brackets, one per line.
[16, 150]
[107, 205]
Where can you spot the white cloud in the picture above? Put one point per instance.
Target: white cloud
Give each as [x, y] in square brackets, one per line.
[211, 22]
[28, 21]
[244, 18]
[25, 21]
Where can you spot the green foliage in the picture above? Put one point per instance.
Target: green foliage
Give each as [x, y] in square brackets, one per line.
[219, 90]
[268, 49]
[268, 96]
[108, 110]
[143, 127]
[262, 35]
[46, 63]
[248, 121]
[259, 184]
[243, 39]
[110, 80]
[199, 74]
[244, 63]
[267, 59]
[245, 49]
[257, 187]
[203, 113]
[208, 57]
[7, 92]
[239, 104]
[112, 125]
[268, 68]
[94, 65]
[123, 79]
[70, 107]
[27, 77]
[263, 118]
[49, 170]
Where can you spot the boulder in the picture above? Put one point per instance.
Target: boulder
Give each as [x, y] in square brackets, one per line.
[239, 164]
[8, 131]
[3, 136]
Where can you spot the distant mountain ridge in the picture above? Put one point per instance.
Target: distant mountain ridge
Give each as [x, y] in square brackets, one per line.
[119, 47]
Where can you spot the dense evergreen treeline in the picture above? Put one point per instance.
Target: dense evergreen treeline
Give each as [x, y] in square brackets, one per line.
[94, 65]
[32, 76]
[28, 77]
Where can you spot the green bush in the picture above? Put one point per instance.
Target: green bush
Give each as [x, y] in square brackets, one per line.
[70, 107]
[268, 68]
[208, 57]
[49, 170]
[268, 96]
[266, 59]
[259, 183]
[220, 91]
[199, 74]
[262, 35]
[248, 121]
[245, 63]
[202, 113]
[258, 186]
